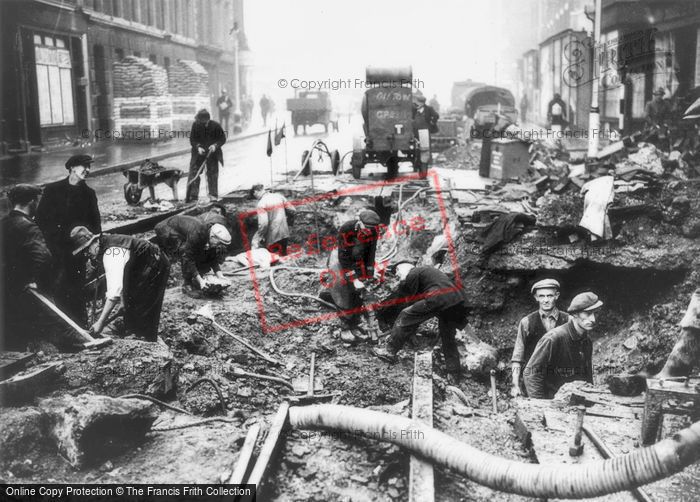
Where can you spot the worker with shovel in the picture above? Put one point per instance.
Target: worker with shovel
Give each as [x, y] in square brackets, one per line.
[427, 293]
[26, 263]
[206, 137]
[200, 247]
[136, 272]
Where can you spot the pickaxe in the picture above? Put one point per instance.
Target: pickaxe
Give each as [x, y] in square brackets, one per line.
[90, 343]
[208, 313]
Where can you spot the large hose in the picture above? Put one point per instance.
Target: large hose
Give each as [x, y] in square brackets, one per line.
[591, 479]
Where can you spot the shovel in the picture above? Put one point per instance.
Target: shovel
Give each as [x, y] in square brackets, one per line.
[240, 373]
[207, 313]
[90, 342]
[308, 385]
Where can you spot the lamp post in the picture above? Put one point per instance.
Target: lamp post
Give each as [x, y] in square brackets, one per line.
[594, 117]
[236, 81]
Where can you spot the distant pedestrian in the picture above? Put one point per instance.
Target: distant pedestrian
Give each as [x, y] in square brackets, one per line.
[524, 105]
[424, 117]
[434, 103]
[26, 264]
[658, 110]
[224, 104]
[206, 137]
[66, 204]
[136, 272]
[264, 108]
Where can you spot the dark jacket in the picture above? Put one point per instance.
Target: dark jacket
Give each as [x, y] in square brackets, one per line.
[561, 356]
[189, 237]
[530, 330]
[419, 281]
[425, 119]
[64, 206]
[227, 100]
[353, 253]
[25, 255]
[206, 135]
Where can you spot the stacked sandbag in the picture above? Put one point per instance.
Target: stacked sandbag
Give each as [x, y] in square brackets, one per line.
[188, 78]
[189, 87]
[138, 77]
[142, 102]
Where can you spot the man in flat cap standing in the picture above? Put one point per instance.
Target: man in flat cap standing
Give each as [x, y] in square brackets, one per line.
[206, 137]
[564, 354]
[137, 274]
[67, 204]
[26, 264]
[534, 325]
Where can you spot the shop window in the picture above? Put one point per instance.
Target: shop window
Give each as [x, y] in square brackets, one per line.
[54, 82]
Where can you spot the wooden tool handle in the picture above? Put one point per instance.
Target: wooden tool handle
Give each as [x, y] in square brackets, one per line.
[83, 333]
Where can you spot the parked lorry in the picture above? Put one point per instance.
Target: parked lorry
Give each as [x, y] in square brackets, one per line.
[312, 107]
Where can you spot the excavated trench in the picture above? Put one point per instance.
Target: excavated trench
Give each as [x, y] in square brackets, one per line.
[636, 329]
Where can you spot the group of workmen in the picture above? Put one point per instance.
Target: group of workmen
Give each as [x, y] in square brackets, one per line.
[54, 244]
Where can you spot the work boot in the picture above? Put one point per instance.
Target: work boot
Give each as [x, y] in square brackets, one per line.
[385, 353]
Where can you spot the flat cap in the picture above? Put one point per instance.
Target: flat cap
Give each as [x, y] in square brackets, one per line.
[584, 301]
[369, 217]
[23, 193]
[220, 232]
[545, 283]
[79, 160]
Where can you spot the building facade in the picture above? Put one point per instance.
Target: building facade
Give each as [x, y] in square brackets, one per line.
[58, 58]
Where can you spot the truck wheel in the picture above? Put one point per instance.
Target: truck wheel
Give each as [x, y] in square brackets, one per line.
[132, 193]
[306, 170]
[335, 161]
[357, 164]
[392, 166]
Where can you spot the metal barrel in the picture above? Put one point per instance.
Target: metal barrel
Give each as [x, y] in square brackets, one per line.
[378, 74]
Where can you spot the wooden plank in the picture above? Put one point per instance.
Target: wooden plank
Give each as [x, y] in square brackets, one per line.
[244, 456]
[421, 484]
[270, 446]
[12, 362]
[25, 386]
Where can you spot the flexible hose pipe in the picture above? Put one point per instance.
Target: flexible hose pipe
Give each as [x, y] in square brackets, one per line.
[591, 479]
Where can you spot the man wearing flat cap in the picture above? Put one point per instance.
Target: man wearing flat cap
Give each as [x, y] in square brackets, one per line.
[26, 264]
[534, 325]
[424, 117]
[137, 274]
[657, 111]
[200, 247]
[64, 205]
[351, 263]
[426, 292]
[564, 354]
[206, 138]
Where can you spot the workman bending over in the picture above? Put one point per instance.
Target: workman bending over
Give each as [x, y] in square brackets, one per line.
[136, 272]
[200, 247]
[351, 263]
[428, 293]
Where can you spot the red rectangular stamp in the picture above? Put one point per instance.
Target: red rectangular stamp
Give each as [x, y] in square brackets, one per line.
[334, 243]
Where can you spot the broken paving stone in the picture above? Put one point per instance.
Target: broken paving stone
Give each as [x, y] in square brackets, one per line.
[393, 493]
[89, 427]
[244, 392]
[22, 430]
[477, 357]
[359, 479]
[300, 450]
